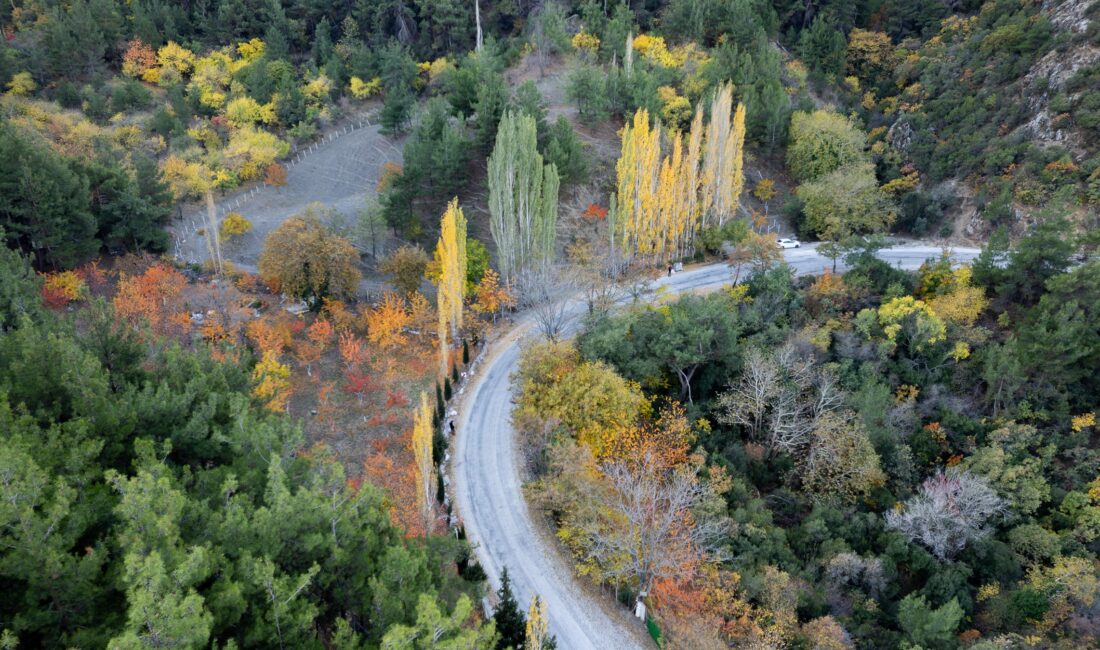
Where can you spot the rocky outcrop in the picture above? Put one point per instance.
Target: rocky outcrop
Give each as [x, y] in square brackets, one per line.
[1048, 77]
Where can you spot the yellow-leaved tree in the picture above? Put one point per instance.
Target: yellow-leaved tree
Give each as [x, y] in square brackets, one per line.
[638, 171]
[450, 255]
[723, 162]
[538, 624]
[661, 201]
[422, 454]
[272, 381]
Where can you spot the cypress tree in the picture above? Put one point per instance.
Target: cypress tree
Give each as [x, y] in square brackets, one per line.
[465, 353]
[511, 623]
[439, 403]
[454, 374]
[447, 388]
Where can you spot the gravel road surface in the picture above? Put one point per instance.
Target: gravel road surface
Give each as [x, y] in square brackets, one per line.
[489, 492]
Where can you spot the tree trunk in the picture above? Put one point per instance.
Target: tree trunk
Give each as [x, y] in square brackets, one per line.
[477, 20]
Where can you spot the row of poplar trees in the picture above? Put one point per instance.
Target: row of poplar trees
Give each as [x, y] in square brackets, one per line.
[662, 201]
[450, 255]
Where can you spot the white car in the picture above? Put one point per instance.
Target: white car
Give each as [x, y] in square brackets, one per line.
[788, 243]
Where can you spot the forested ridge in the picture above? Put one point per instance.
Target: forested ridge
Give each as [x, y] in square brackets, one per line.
[252, 451]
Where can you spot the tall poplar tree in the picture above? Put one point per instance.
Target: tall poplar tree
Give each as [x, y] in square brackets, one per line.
[451, 255]
[723, 158]
[422, 454]
[638, 172]
[523, 197]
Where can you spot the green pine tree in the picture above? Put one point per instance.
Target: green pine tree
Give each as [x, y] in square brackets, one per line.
[510, 620]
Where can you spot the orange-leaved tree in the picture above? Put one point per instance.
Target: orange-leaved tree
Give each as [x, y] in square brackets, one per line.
[386, 322]
[150, 297]
[320, 333]
[491, 297]
[352, 350]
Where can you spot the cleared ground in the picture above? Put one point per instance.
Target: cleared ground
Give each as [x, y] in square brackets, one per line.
[340, 172]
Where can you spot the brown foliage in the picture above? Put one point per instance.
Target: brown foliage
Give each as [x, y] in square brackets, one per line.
[398, 481]
[302, 258]
[275, 175]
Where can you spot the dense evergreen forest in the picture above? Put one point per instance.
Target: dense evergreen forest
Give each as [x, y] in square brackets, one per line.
[870, 458]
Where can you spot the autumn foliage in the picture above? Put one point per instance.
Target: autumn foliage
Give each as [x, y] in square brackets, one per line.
[152, 297]
[59, 289]
[386, 322]
[275, 175]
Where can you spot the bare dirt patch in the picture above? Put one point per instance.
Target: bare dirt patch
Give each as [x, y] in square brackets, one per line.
[341, 172]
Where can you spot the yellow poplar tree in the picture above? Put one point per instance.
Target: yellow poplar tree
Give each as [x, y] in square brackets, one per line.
[723, 158]
[689, 177]
[736, 148]
[422, 454]
[638, 172]
[450, 253]
[537, 625]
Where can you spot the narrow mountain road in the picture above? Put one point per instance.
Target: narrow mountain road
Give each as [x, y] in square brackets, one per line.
[489, 494]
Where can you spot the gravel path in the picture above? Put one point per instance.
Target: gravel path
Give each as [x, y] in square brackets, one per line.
[340, 172]
[489, 492]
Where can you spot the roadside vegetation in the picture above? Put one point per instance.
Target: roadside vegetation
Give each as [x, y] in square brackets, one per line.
[252, 450]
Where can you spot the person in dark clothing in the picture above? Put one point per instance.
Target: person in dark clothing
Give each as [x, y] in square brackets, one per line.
[670, 270]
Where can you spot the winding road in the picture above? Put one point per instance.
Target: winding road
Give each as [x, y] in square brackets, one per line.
[489, 494]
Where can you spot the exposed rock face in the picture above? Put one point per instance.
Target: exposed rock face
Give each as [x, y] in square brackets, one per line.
[1049, 75]
[1068, 15]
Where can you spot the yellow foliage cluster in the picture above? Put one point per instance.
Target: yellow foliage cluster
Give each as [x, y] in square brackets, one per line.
[271, 382]
[251, 50]
[21, 84]
[245, 111]
[233, 225]
[450, 255]
[588, 398]
[174, 61]
[386, 323]
[675, 109]
[988, 591]
[962, 302]
[422, 454]
[661, 201]
[931, 328]
[1081, 422]
[187, 179]
[654, 49]
[902, 184]
[585, 42]
[65, 285]
[363, 89]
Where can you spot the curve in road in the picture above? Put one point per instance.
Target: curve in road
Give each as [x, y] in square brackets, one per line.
[489, 493]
